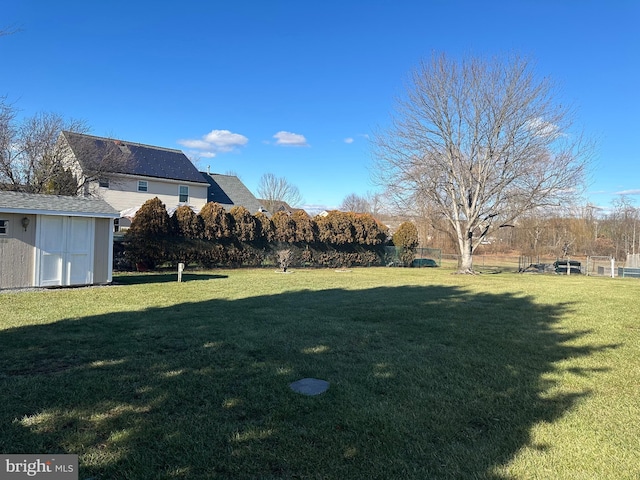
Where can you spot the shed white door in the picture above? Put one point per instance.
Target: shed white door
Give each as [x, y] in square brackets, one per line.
[65, 249]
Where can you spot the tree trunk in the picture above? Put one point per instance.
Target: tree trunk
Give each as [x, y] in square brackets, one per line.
[465, 260]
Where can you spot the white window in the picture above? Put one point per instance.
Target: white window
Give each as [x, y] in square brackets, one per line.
[142, 186]
[4, 227]
[183, 194]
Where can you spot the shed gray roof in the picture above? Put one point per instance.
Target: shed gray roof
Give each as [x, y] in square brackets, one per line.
[229, 191]
[134, 158]
[18, 202]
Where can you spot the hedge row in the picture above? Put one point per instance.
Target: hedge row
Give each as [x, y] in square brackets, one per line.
[214, 237]
[208, 254]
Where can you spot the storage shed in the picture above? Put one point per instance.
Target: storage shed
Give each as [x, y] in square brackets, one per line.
[52, 240]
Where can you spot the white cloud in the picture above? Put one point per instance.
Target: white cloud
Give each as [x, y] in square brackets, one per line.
[289, 139]
[542, 128]
[225, 140]
[634, 191]
[348, 140]
[194, 144]
[214, 142]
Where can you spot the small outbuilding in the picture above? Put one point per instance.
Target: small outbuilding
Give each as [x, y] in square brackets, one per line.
[53, 240]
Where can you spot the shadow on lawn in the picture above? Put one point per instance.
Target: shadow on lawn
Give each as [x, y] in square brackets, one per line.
[138, 279]
[426, 382]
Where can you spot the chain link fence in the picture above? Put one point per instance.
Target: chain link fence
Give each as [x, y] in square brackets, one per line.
[422, 257]
[603, 266]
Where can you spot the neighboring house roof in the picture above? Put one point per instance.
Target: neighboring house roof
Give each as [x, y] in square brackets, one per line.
[35, 203]
[229, 191]
[141, 160]
[280, 206]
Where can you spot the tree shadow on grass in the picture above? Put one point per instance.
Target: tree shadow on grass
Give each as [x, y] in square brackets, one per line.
[426, 382]
[138, 279]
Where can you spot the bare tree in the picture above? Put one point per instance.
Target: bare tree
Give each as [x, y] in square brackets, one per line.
[31, 158]
[479, 142]
[272, 190]
[355, 203]
[36, 155]
[622, 224]
[369, 203]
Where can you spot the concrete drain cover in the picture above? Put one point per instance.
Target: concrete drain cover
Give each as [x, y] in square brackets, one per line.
[310, 386]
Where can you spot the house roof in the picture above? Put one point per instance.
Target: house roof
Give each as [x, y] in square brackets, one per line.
[229, 191]
[136, 159]
[35, 203]
[281, 206]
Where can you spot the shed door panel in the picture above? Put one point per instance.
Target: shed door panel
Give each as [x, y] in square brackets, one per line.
[52, 243]
[66, 246]
[79, 248]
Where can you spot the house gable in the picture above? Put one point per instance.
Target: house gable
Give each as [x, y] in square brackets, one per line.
[229, 191]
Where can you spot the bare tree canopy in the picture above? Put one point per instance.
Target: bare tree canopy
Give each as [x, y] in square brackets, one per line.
[355, 203]
[31, 158]
[272, 189]
[35, 156]
[478, 143]
[369, 203]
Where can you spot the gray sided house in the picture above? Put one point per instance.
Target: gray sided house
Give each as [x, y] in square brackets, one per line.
[229, 191]
[51, 240]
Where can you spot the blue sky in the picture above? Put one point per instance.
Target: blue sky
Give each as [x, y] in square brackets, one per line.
[296, 88]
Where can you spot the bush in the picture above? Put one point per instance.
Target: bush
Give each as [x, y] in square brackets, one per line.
[186, 223]
[284, 226]
[368, 231]
[265, 229]
[284, 259]
[406, 240]
[244, 224]
[218, 224]
[147, 238]
[305, 227]
[336, 228]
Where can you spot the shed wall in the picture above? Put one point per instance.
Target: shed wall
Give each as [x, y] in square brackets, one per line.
[102, 247]
[17, 252]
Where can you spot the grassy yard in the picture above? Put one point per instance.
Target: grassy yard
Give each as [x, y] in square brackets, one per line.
[432, 376]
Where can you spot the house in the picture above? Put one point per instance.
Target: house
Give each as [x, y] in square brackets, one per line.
[229, 191]
[127, 174]
[51, 240]
[274, 206]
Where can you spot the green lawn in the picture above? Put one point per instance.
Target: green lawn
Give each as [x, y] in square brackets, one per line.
[432, 375]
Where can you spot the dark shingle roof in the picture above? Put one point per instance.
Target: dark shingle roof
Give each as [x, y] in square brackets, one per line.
[135, 158]
[18, 202]
[229, 191]
[280, 206]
